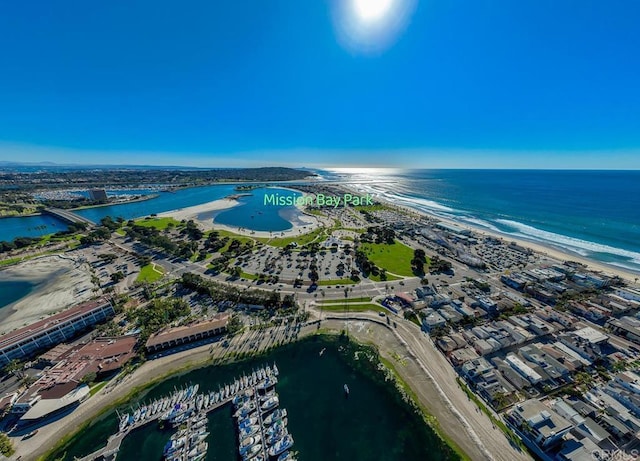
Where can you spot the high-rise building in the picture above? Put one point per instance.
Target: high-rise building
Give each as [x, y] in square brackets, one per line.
[98, 195]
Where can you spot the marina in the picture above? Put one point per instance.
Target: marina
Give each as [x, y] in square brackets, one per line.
[258, 417]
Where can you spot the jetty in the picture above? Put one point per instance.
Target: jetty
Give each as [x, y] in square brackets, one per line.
[183, 406]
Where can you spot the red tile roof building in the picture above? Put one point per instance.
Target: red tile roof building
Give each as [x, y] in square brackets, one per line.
[172, 337]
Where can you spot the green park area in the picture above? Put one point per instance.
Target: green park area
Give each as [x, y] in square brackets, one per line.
[395, 258]
[301, 239]
[158, 223]
[150, 273]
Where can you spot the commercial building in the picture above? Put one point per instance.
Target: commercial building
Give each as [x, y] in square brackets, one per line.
[46, 333]
[173, 337]
[43, 409]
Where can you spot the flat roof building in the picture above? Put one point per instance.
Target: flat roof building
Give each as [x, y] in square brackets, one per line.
[545, 426]
[25, 342]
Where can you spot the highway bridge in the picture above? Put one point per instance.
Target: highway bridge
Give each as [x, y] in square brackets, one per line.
[68, 216]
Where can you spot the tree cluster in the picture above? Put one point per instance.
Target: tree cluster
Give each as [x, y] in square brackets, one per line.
[438, 265]
[157, 314]
[379, 234]
[418, 261]
[219, 292]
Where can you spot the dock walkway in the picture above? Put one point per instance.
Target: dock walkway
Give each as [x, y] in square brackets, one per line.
[110, 451]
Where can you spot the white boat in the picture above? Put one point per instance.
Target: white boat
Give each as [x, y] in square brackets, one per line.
[124, 422]
[246, 422]
[267, 383]
[267, 396]
[276, 437]
[276, 372]
[275, 416]
[248, 442]
[255, 449]
[248, 431]
[272, 402]
[199, 402]
[281, 446]
[286, 456]
[198, 450]
[245, 409]
[279, 426]
[199, 424]
[199, 437]
[174, 445]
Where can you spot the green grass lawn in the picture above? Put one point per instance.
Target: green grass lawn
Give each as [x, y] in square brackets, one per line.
[248, 276]
[394, 258]
[353, 307]
[301, 240]
[149, 274]
[7, 262]
[158, 223]
[390, 278]
[96, 387]
[363, 299]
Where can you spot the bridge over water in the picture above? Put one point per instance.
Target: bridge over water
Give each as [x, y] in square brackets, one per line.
[68, 216]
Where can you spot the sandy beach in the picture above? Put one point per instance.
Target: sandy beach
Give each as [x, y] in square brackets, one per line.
[60, 282]
[553, 254]
[301, 223]
[546, 251]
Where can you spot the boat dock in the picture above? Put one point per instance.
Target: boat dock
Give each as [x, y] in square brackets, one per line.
[182, 407]
[261, 424]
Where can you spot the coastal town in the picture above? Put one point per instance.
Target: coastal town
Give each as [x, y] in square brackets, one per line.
[518, 350]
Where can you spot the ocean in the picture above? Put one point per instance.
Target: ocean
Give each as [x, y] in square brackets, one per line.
[595, 214]
[372, 424]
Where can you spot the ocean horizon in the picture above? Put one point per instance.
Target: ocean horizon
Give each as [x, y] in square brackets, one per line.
[590, 213]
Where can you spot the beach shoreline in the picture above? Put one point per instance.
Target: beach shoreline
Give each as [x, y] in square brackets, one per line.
[554, 254]
[301, 226]
[59, 283]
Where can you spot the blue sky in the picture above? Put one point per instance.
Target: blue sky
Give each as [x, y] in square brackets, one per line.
[487, 83]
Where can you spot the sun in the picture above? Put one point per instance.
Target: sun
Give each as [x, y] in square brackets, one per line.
[372, 10]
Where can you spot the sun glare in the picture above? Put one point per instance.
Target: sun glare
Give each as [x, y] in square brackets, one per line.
[372, 10]
[371, 26]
